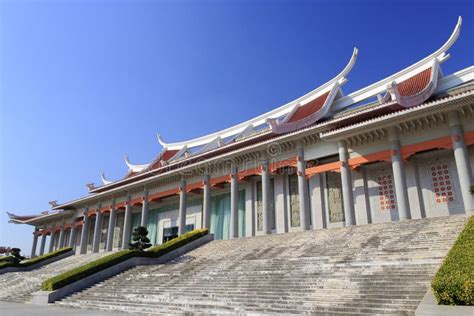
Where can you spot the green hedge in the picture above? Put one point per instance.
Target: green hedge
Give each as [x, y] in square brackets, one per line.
[453, 284]
[103, 263]
[35, 260]
[4, 259]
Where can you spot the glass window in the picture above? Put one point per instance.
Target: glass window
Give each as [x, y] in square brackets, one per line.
[172, 232]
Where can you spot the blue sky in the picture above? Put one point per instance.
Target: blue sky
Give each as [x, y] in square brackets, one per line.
[85, 82]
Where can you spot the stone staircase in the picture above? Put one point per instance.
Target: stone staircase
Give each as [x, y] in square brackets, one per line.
[18, 286]
[372, 269]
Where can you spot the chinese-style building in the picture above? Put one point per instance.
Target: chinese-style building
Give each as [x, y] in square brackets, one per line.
[401, 148]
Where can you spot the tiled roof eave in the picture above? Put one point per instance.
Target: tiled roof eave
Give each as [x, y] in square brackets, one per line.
[460, 77]
[37, 220]
[155, 174]
[435, 106]
[329, 122]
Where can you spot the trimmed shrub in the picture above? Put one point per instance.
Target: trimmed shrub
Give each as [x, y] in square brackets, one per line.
[108, 261]
[16, 256]
[36, 260]
[6, 264]
[160, 250]
[453, 284]
[140, 239]
[4, 259]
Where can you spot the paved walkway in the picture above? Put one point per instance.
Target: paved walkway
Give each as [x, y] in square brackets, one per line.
[18, 309]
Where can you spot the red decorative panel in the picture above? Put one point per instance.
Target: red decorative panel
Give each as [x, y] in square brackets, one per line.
[309, 108]
[441, 180]
[415, 84]
[387, 200]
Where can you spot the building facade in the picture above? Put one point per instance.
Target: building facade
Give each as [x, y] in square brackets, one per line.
[401, 148]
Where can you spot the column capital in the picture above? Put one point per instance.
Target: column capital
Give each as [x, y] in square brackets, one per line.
[233, 169]
[299, 145]
[262, 163]
[393, 134]
[454, 119]
[342, 144]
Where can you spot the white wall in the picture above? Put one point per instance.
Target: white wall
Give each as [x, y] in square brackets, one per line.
[170, 219]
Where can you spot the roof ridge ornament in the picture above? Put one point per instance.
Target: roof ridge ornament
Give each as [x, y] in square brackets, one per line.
[261, 119]
[104, 179]
[161, 141]
[91, 186]
[380, 86]
[53, 203]
[414, 90]
[135, 168]
[315, 106]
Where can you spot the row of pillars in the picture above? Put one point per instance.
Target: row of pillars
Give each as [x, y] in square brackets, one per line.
[398, 179]
[234, 192]
[461, 157]
[111, 225]
[52, 241]
[462, 165]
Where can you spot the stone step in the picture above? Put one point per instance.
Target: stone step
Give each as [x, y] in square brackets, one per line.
[147, 307]
[244, 299]
[360, 270]
[155, 299]
[18, 286]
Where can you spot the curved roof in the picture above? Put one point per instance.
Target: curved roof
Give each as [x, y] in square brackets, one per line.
[283, 110]
[382, 85]
[135, 168]
[408, 87]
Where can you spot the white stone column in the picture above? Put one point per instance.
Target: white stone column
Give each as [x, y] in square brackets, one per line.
[84, 234]
[35, 242]
[182, 208]
[234, 204]
[127, 225]
[43, 244]
[250, 209]
[72, 237]
[302, 189]
[97, 230]
[51, 241]
[206, 203]
[110, 230]
[318, 210]
[267, 229]
[281, 202]
[399, 177]
[360, 194]
[144, 220]
[461, 156]
[346, 180]
[61, 237]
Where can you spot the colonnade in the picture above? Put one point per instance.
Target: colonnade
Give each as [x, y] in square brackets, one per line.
[461, 157]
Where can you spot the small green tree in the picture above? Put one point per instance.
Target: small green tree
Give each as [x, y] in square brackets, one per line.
[15, 255]
[140, 241]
